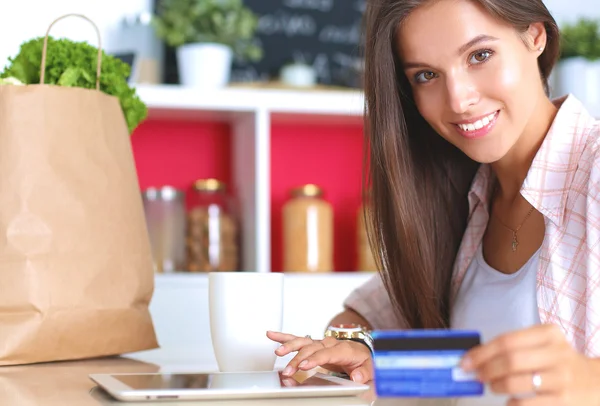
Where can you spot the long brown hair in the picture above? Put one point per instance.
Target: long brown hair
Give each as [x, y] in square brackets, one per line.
[418, 182]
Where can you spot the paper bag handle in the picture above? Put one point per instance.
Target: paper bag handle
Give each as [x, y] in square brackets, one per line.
[99, 64]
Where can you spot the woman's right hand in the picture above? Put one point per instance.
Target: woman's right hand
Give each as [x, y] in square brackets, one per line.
[335, 355]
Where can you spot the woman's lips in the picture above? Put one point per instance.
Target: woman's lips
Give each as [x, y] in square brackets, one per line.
[479, 128]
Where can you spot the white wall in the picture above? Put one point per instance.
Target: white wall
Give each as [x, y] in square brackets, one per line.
[569, 10]
[19, 22]
[26, 19]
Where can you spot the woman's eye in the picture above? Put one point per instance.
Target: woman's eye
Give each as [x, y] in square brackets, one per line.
[480, 57]
[424, 77]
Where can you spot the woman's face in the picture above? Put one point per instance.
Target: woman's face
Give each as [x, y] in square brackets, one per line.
[473, 78]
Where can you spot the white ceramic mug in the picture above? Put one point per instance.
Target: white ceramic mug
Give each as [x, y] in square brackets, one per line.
[242, 307]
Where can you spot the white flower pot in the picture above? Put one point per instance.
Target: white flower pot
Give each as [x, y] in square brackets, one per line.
[204, 65]
[580, 77]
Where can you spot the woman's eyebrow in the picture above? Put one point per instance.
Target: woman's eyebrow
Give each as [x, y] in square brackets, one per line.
[461, 50]
[475, 41]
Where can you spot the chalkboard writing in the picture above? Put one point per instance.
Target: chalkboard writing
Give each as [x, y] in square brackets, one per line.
[325, 34]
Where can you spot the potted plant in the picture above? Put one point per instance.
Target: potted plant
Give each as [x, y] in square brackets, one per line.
[207, 35]
[578, 70]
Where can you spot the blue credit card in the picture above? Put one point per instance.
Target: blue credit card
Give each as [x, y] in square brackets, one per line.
[423, 363]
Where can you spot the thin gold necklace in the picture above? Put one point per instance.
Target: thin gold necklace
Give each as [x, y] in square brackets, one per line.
[515, 241]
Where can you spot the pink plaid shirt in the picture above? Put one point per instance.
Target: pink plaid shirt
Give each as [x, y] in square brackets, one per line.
[563, 184]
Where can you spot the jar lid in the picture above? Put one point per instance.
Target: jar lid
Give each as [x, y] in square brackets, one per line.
[167, 193]
[309, 190]
[209, 185]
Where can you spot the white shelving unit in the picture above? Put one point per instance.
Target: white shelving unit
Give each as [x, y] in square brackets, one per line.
[252, 99]
[251, 111]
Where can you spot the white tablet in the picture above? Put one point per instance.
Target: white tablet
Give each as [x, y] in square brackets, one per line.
[222, 385]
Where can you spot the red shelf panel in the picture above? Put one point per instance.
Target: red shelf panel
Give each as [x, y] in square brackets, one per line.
[177, 153]
[327, 155]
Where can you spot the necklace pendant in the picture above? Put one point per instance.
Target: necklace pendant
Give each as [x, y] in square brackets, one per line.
[515, 243]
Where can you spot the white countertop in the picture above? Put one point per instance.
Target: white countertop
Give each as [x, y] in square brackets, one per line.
[67, 383]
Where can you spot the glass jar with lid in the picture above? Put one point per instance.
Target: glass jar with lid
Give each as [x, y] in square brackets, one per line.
[164, 208]
[212, 238]
[307, 231]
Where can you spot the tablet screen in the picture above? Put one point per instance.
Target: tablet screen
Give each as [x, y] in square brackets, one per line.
[230, 380]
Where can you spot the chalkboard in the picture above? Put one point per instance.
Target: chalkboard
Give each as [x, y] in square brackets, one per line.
[325, 34]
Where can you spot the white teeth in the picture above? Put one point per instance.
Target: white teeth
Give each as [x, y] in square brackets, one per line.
[479, 124]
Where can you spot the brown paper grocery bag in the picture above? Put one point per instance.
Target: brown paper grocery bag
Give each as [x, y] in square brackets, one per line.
[76, 274]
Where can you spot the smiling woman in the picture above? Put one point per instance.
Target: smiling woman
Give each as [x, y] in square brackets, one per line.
[449, 84]
[485, 198]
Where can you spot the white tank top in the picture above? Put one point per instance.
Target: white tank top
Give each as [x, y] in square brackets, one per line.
[492, 302]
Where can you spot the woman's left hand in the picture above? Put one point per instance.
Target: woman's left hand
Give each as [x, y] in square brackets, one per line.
[537, 360]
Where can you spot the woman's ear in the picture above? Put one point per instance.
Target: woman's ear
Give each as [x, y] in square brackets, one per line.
[536, 37]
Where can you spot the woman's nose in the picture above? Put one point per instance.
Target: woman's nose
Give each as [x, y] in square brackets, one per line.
[462, 93]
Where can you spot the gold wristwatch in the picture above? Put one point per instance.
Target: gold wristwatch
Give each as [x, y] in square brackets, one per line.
[353, 332]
